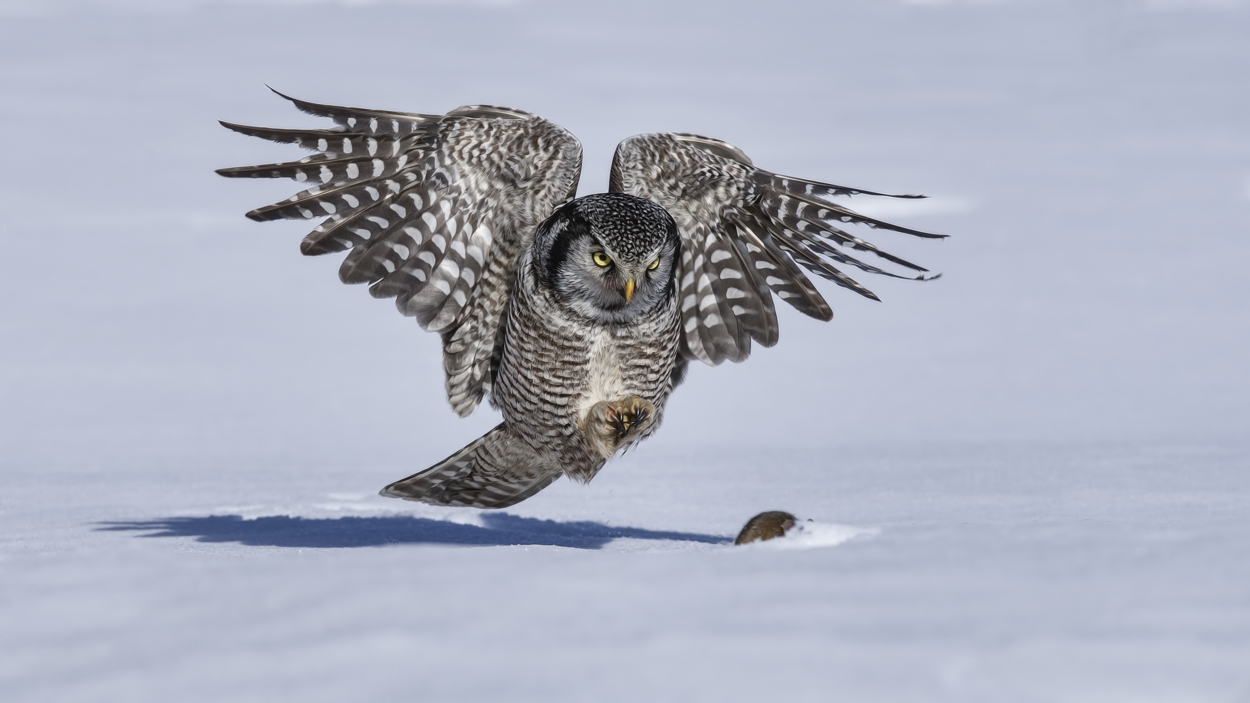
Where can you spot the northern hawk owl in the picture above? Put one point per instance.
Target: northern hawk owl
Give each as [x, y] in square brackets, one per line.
[576, 316]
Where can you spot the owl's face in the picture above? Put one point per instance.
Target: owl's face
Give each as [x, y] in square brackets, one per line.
[610, 256]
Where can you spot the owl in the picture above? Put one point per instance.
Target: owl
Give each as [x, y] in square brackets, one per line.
[575, 317]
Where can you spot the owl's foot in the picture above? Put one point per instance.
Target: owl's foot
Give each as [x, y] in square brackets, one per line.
[630, 416]
[609, 426]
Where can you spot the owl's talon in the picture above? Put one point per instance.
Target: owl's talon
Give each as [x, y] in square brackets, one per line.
[634, 415]
[610, 425]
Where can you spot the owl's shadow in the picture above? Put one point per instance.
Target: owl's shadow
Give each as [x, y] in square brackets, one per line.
[497, 529]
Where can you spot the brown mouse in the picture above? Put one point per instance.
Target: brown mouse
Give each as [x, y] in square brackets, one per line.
[767, 525]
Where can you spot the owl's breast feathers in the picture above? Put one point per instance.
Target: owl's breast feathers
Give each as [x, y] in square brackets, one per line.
[557, 364]
[605, 379]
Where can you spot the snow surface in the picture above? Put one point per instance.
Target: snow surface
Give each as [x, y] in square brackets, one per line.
[1028, 481]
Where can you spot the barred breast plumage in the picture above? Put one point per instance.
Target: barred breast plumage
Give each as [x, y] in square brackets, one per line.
[557, 365]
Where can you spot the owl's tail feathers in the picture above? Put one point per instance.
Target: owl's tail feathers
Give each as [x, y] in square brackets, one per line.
[494, 471]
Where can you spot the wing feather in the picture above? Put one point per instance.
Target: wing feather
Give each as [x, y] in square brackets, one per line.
[782, 276]
[432, 209]
[748, 234]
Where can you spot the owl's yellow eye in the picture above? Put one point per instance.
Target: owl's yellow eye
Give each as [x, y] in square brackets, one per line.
[601, 259]
[654, 264]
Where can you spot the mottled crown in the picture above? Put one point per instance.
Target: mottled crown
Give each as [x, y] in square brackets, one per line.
[633, 227]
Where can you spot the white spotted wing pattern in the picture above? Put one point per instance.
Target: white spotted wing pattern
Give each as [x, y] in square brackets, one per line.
[436, 210]
[743, 232]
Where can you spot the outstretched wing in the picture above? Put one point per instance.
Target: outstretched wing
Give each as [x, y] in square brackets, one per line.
[436, 210]
[745, 232]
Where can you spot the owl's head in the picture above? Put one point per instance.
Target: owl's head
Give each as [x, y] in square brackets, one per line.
[609, 256]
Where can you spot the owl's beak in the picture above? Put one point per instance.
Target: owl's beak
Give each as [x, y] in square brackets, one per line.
[629, 289]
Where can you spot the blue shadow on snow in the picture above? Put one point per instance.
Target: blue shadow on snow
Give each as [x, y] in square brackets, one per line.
[500, 529]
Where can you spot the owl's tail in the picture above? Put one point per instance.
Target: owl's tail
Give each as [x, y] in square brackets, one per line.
[494, 471]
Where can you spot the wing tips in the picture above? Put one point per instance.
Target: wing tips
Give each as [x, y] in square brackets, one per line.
[347, 116]
[273, 134]
[242, 172]
[810, 187]
[817, 194]
[801, 216]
